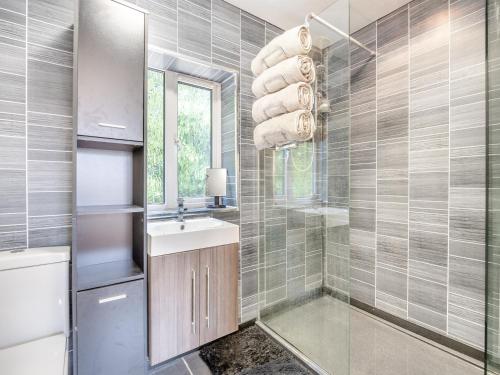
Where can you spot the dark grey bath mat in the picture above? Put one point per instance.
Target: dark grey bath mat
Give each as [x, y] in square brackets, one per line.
[250, 352]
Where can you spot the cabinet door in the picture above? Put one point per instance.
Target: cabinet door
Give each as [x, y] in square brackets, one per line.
[111, 66]
[173, 305]
[110, 337]
[218, 292]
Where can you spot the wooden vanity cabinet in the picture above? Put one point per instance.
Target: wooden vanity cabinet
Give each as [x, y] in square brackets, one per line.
[218, 292]
[192, 299]
[173, 305]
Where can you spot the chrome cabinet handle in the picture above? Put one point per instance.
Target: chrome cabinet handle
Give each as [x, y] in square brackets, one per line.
[193, 300]
[108, 125]
[207, 315]
[111, 299]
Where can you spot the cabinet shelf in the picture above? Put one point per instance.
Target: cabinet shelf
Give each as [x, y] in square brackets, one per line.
[109, 209]
[103, 274]
[85, 141]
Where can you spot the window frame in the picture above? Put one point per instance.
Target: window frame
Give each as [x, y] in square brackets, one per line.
[170, 138]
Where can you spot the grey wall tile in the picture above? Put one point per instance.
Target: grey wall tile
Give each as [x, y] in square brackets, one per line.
[426, 15]
[430, 186]
[252, 30]
[392, 155]
[12, 25]
[466, 331]
[392, 27]
[50, 88]
[49, 203]
[249, 283]
[49, 237]
[13, 191]
[15, 5]
[430, 295]
[198, 8]
[56, 12]
[12, 153]
[467, 225]
[392, 124]
[362, 292]
[363, 127]
[13, 87]
[194, 35]
[13, 240]
[429, 247]
[50, 176]
[392, 283]
[392, 251]
[56, 37]
[467, 277]
[12, 58]
[362, 219]
[430, 318]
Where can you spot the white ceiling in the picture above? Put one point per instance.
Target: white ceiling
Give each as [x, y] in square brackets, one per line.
[289, 13]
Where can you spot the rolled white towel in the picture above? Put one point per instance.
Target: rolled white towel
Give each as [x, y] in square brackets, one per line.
[291, 98]
[296, 41]
[290, 127]
[292, 70]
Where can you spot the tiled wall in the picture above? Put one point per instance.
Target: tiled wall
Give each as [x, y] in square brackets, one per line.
[36, 53]
[338, 256]
[418, 166]
[35, 123]
[291, 255]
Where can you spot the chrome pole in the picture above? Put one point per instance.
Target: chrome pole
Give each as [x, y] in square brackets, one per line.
[312, 16]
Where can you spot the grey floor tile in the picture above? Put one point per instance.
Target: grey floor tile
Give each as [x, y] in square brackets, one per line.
[176, 367]
[196, 364]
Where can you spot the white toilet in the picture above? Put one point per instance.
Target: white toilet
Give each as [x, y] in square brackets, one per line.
[34, 311]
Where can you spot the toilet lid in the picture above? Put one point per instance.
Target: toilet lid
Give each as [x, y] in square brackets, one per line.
[45, 356]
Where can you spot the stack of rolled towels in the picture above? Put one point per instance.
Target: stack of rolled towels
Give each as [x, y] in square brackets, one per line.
[284, 74]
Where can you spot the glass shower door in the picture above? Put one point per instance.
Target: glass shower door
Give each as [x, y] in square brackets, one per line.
[493, 228]
[304, 273]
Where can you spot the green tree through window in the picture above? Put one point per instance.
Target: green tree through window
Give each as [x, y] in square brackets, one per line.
[156, 156]
[194, 130]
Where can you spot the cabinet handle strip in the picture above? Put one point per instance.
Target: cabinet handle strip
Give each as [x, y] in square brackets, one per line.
[207, 317]
[111, 299]
[106, 125]
[193, 301]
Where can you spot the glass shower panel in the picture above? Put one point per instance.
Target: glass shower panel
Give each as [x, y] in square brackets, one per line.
[493, 230]
[304, 258]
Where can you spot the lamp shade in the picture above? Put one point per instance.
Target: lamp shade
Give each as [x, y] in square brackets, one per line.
[216, 182]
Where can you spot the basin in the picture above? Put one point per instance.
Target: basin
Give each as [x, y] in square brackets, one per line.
[169, 237]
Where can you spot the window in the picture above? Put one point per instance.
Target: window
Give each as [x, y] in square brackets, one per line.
[183, 137]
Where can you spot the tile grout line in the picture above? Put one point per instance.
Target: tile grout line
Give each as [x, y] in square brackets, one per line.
[239, 198]
[376, 166]
[449, 173]
[409, 168]
[187, 366]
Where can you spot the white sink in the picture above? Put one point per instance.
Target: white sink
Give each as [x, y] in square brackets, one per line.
[168, 237]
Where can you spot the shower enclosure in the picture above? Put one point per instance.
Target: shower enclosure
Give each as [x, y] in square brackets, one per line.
[304, 260]
[386, 206]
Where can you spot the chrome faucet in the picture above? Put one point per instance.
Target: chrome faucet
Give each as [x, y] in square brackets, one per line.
[180, 210]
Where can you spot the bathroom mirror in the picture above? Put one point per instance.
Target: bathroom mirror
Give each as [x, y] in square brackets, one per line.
[191, 127]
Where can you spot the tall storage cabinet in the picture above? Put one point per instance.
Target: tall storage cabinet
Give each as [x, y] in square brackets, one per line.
[109, 213]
